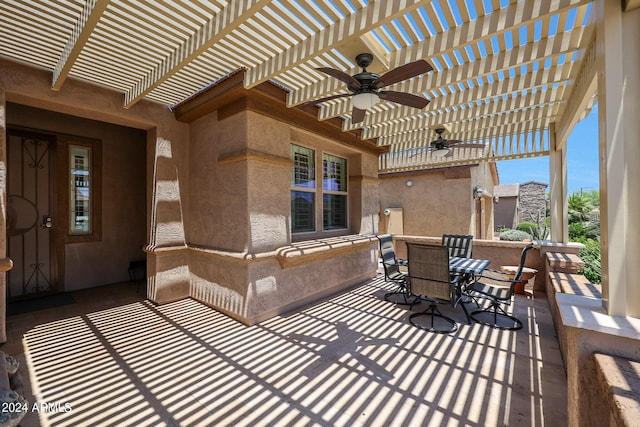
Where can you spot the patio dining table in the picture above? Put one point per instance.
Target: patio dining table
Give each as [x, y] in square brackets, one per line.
[470, 269]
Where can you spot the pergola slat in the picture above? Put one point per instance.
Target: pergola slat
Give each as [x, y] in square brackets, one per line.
[339, 33]
[216, 28]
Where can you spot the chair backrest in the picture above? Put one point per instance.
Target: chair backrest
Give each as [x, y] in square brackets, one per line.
[429, 271]
[388, 254]
[460, 245]
[523, 256]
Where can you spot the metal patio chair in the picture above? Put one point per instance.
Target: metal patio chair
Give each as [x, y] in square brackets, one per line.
[498, 288]
[402, 294]
[430, 279]
[460, 245]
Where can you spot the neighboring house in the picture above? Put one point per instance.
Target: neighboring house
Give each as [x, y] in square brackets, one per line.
[506, 210]
[518, 203]
[532, 201]
[437, 201]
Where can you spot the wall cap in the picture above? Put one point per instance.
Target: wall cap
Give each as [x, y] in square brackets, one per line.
[587, 313]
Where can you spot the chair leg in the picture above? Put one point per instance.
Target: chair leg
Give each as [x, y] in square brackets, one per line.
[433, 312]
[403, 296]
[497, 313]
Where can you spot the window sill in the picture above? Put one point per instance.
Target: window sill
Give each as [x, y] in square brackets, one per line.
[307, 251]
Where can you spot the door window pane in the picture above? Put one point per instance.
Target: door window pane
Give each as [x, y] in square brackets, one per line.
[80, 190]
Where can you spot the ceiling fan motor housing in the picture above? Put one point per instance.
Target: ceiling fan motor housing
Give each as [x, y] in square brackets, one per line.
[366, 80]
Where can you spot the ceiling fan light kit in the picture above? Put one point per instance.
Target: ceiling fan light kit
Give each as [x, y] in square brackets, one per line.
[441, 152]
[364, 100]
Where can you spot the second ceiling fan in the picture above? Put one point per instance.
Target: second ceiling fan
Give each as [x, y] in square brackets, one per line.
[365, 86]
[441, 146]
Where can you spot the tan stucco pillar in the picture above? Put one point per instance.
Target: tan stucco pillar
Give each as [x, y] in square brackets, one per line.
[618, 56]
[5, 264]
[558, 197]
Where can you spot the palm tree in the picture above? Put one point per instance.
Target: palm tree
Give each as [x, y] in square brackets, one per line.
[580, 208]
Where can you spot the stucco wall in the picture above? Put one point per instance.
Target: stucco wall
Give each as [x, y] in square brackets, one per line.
[240, 175]
[218, 193]
[123, 214]
[505, 212]
[439, 201]
[432, 206]
[166, 161]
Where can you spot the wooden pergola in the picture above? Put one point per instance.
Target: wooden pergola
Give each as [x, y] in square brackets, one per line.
[514, 76]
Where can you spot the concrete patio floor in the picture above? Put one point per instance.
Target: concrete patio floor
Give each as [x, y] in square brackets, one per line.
[350, 360]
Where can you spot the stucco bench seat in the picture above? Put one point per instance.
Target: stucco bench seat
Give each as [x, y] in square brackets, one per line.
[619, 381]
[576, 284]
[566, 262]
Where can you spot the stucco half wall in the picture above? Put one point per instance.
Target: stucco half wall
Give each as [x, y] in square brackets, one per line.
[255, 287]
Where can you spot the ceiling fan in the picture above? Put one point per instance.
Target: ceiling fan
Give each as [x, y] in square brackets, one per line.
[440, 146]
[365, 86]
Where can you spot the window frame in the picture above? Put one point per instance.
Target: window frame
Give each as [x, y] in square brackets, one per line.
[319, 192]
[344, 192]
[65, 146]
[311, 190]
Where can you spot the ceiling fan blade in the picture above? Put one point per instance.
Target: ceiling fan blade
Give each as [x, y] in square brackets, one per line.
[327, 98]
[403, 72]
[461, 144]
[340, 75]
[404, 98]
[450, 142]
[464, 145]
[357, 115]
[449, 154]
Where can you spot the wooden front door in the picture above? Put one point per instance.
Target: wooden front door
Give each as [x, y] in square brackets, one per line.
[30, 214]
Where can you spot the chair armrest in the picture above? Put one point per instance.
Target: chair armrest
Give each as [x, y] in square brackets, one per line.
[495, 276]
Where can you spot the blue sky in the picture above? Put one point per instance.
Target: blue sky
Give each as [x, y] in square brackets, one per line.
[582, 160]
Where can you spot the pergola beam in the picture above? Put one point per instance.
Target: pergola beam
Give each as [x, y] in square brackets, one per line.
[355, 25]
[214, 30]
[584, 87]
[81, 32]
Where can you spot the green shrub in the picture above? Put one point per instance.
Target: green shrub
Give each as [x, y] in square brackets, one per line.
[576, 231]
[526, 226]
[514, 235]
[591, 257]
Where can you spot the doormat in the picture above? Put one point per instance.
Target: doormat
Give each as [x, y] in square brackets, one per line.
[41, 303]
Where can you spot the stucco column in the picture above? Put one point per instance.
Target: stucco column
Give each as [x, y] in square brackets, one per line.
[5, 264]
[558, 197]
[167, 261]
[618, 56]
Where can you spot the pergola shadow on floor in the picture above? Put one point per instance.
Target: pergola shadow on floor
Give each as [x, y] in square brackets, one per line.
[350, 360]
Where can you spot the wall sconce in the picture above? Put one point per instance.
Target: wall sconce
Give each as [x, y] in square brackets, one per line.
[409, 183]
[477, 192]
[496, 199]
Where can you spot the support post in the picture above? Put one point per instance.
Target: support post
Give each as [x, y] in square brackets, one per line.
[558, 198]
